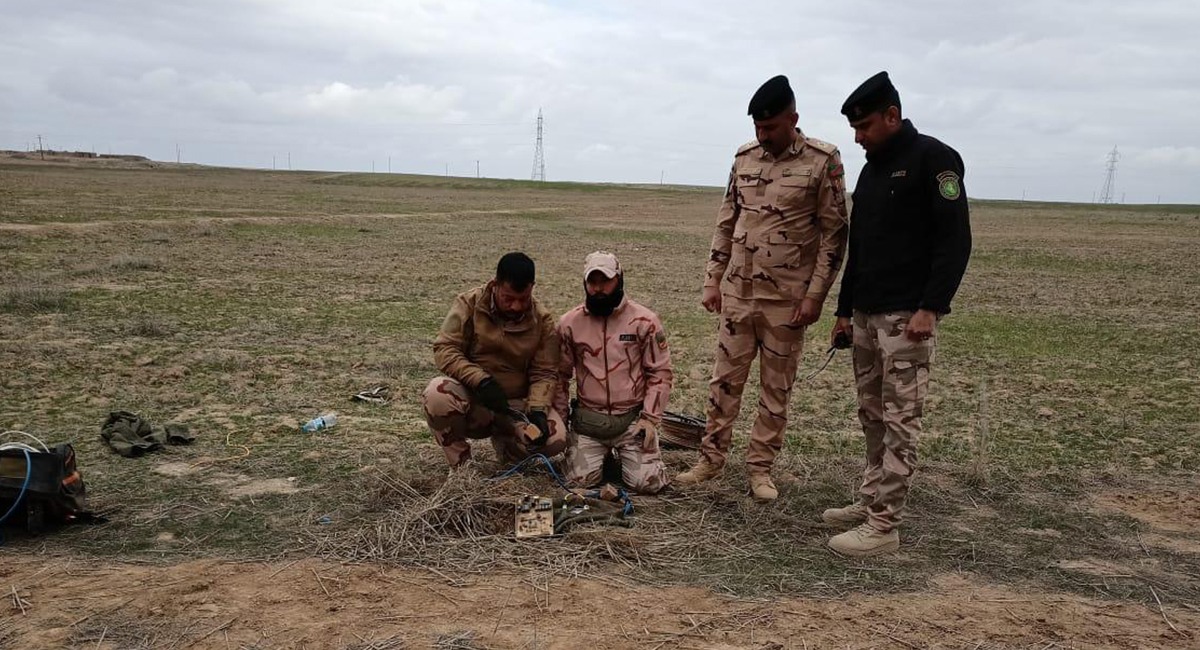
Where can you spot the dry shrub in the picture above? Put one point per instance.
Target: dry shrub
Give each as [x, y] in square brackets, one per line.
[33, 299]
[419, 516]
[125, 262]
[148, 326]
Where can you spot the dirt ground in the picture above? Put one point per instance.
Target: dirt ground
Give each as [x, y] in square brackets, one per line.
[1056, 505]
[74, 603]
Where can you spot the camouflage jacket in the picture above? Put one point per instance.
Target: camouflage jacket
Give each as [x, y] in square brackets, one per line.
[619, 362]
[781, 229]
[474, 342]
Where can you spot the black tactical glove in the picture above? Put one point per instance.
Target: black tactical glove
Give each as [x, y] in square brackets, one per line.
[538, 419]
[842, 341]
[491, 395]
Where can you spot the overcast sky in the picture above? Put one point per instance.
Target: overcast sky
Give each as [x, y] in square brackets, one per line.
[1032, 94]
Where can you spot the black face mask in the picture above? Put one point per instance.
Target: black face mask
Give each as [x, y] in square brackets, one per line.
[604, 305]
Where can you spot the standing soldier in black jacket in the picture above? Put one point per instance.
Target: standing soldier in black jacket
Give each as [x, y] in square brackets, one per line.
[910, 238]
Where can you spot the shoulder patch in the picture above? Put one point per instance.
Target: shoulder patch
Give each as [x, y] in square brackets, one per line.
[660, 337]
[821, 145]
[749, 146]
[949, 185]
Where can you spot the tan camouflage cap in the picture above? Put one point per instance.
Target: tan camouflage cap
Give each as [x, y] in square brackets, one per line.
[601, 261]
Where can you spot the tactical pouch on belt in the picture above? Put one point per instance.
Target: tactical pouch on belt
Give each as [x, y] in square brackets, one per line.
[601, 426]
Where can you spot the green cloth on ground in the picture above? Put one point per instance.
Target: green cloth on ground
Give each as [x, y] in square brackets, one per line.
[177, 434]
[132, 435]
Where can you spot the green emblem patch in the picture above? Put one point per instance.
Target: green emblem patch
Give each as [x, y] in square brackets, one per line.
[949, 186]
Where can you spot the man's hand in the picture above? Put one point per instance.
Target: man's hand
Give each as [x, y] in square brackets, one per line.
[807, 312]
[539, 420]
[711, 299]
[921, 325]
[842, 335]
[491, 395]
[649, 432]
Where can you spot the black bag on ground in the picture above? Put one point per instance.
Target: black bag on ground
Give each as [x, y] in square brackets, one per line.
[49, 487]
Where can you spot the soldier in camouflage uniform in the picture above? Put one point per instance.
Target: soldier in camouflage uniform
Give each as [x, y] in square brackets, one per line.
[781, 234]
[499, 351]
[616, 351]
[910, 239]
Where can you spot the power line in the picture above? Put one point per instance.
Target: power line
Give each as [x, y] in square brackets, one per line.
[539, 157]
[1106, 193]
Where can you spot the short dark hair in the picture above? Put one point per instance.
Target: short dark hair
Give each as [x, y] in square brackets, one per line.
[516, 270]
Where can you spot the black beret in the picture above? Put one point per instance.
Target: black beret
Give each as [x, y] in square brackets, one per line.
[875, 94]
[771, 98]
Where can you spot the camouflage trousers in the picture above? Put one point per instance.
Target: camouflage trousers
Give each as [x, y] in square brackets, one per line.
[455, 417]
[642, 471]
[777, 343]
[892, 376]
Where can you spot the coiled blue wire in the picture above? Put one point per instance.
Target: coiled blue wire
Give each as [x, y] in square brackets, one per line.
[627, 503]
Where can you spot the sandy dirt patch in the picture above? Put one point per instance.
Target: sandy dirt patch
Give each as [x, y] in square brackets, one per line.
[314, 604]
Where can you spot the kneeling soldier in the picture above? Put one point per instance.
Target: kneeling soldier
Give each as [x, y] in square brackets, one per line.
[499, 352]
[617, 351]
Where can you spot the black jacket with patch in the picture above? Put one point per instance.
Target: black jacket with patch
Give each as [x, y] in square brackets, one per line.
[910, 231]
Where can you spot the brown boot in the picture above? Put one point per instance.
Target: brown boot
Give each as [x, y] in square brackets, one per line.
[700, 472]
[852, 515]
[763, 488]
[865, 541]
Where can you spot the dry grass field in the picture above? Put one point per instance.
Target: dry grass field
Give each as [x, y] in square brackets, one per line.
[1058, 504]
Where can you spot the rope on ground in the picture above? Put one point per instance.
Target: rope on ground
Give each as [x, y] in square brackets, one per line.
[213, 461]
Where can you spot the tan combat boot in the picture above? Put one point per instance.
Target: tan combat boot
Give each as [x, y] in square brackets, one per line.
[700, 472]
[763, 488]
[865, 541]
[852, 515]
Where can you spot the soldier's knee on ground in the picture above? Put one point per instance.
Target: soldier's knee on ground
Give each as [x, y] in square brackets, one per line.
[585, 479]
[651, 484]
[647, 476]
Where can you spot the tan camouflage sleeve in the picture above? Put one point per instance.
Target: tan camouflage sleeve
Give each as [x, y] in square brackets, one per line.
[656, 365]
[722, 241]
[566, 370]
[543, 372]
[450, 346]
[831, 212]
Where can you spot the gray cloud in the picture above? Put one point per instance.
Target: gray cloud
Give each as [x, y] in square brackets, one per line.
[1033, 94]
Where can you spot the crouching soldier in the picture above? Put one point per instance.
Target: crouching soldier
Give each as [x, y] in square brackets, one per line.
[617, 352]
[499, 352]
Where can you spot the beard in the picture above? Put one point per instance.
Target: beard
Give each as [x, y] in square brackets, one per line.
[604, 304]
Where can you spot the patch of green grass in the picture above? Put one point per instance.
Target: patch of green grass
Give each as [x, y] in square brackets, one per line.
[1045, 532]
[490, 184]
[126, 262]
[1041, 260]
[1181, 209]
[532, 216]
[1026, 337]
[299, 230]
[626, 237]
[148, 326]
